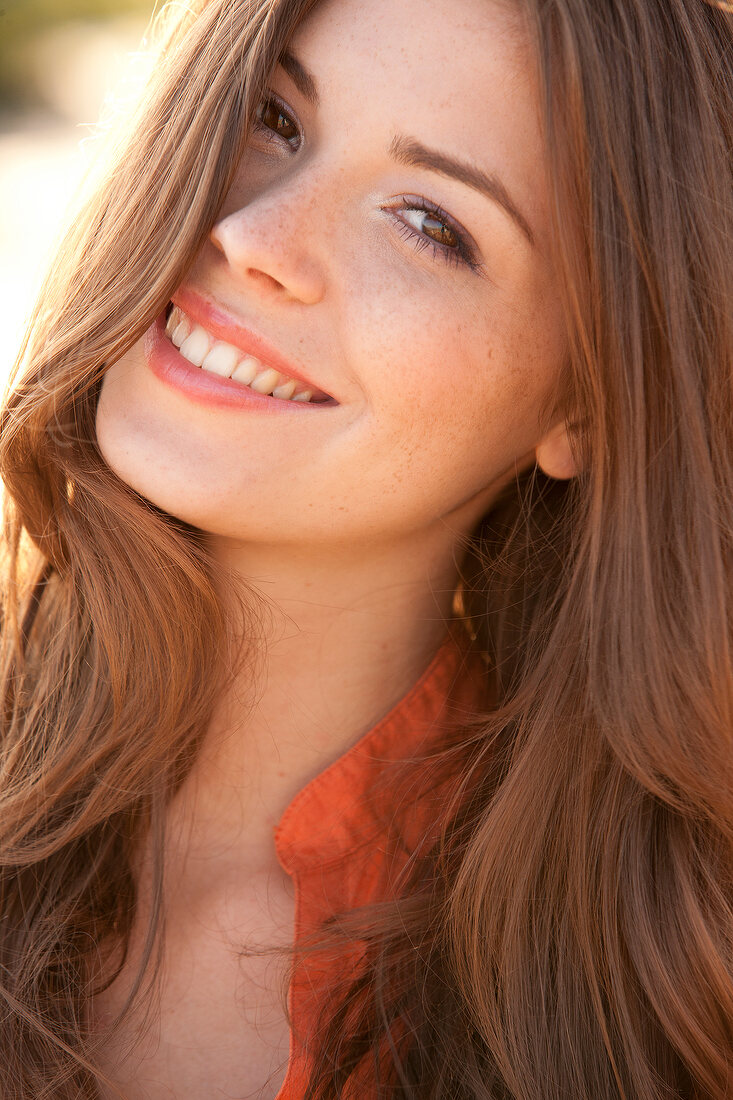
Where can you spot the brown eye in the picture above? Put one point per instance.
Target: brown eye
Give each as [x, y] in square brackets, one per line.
[272, 118]
[440, 232]
[427, 225]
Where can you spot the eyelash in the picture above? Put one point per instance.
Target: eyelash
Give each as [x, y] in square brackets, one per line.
[269, 134]
[463, 254]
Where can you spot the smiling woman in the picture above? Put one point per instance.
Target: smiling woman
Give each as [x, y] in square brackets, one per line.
[367, 683]
[431, 307]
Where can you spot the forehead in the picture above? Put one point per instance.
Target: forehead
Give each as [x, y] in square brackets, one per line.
[458, 75]
[455, 33]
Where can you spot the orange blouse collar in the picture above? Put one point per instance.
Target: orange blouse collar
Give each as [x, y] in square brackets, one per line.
[338, 811]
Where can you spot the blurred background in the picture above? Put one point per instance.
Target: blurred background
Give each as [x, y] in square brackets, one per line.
[59, 61]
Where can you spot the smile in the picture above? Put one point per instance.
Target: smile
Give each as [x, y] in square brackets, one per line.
[201, 349]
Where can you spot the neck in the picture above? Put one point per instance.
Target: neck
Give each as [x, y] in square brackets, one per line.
[344, 637]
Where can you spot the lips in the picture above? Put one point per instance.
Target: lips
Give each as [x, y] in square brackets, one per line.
[217, 341]
[212, 356]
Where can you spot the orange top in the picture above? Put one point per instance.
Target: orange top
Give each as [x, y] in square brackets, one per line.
[332, 839]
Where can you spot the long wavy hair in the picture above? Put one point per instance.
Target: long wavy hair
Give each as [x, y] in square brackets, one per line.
[571, 935]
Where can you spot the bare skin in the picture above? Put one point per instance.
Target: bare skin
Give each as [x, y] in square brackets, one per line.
[349, 522]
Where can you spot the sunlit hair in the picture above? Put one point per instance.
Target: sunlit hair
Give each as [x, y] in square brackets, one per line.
[572, 934]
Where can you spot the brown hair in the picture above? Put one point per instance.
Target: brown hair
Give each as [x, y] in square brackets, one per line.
[572, 935]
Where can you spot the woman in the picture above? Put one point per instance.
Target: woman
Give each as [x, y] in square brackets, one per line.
[368, 536]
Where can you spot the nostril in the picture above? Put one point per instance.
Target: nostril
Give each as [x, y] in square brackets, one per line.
[268, 280]
[278, 263]
[215, 238]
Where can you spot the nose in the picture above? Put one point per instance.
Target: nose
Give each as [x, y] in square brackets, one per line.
[271, 241]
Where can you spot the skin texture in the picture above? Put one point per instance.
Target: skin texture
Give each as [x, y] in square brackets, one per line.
[441, 372]
[349, 520]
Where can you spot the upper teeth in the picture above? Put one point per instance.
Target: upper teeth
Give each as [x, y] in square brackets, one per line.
[204, 350]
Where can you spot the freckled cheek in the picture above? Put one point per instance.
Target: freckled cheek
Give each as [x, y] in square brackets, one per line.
[459, 372]
[487, 412]
[423, 351]
[416, 352]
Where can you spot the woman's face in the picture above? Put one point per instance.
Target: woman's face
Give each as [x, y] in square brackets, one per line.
[436, 332]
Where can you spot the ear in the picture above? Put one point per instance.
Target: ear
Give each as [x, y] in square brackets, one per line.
[554, 455]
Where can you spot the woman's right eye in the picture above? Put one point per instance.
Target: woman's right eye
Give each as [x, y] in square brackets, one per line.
[272, 119]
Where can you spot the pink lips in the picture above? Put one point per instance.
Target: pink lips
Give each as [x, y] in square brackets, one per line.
[206, 388]
[224, 327]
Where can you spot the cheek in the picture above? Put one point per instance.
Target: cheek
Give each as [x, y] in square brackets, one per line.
[456, 384]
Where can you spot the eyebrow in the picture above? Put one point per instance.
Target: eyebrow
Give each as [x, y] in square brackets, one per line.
[300, 77]
[413, 154]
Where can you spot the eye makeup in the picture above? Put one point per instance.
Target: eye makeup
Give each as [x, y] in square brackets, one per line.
[462, 252]
[283, 112]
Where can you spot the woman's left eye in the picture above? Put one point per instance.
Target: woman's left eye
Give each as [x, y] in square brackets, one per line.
[272, 119]
[432, 227]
